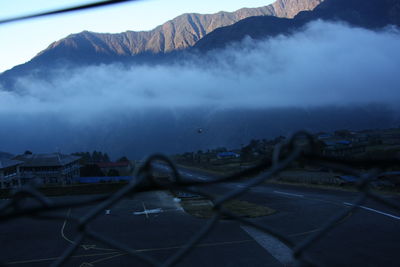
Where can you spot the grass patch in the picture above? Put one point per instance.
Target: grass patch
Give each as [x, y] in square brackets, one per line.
[204, 208]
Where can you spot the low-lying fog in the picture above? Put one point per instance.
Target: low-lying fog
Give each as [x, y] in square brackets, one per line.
[326, 77]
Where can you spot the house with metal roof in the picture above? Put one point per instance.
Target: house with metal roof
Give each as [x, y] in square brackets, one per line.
[124, 168]
[342, 147]
[9, 173]
[53, 168]
[228, 155]
[104, 179]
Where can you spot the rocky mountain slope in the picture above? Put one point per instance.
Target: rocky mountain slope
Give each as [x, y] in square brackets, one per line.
[175, 35]
[371, 14]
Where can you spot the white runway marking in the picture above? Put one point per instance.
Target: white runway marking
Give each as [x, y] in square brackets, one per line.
[145, 211]
[288, 194]
[373, 210]
[84, 246]
[153, 211]
[63, 228]
[276, 248]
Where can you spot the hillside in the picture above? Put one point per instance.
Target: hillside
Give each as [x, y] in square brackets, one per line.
[177, 34]
[371, 14]
[184, 31]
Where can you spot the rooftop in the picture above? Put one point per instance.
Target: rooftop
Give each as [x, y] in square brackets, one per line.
[6, 155]
[46, 160]
[103, 179]
[227, 154]
[5, 163]
[113, 164]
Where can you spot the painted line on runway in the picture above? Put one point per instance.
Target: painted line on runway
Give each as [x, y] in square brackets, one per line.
[84, 246]
[373, 210]
[320, 229]
[92, 263]
[156, 211]
[118, 253]
[56, 258]
[288, 194]
[63, 228]
[147, 212]
[276, 248]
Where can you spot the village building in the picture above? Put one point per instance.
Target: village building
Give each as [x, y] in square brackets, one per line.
[342, 148]
[228, 155]
[124, 168]
[390, 138]
[54, 168]
[9, 173]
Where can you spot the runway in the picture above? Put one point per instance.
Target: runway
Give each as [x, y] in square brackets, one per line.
[153, 223]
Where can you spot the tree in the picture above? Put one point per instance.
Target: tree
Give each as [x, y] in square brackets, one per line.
[96, 157]
[245, 153]
[221, 149]
[106, 158]
[343, 133]
[91, 170]
[123, 159]
[254, 143]
[277, 140]
[87, 156]
[319, 146]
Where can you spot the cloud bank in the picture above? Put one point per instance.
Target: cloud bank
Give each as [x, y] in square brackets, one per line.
[325, 64]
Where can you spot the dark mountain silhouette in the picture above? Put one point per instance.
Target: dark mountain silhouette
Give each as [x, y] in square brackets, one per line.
[371, 14]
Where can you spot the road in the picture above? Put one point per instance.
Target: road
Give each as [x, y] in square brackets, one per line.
[154, 224]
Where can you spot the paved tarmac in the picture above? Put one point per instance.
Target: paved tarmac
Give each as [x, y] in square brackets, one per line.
[153, 224]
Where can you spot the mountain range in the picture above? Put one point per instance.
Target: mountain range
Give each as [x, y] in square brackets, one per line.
[317, 83]
[202, 33]
[175, 35]
[370, 14]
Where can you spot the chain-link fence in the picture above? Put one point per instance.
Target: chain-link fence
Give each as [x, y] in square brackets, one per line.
[144, 181]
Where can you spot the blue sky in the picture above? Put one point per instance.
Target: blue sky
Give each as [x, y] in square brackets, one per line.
[21, 41]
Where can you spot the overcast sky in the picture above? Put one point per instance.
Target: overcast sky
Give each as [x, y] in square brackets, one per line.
[23, 40]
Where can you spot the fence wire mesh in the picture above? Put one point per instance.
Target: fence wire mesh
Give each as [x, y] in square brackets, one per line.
[20, 204]
[144, 181]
